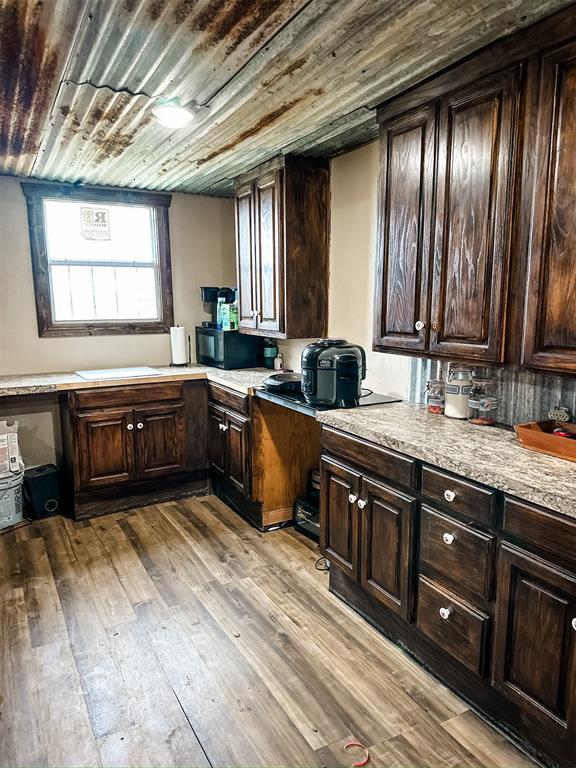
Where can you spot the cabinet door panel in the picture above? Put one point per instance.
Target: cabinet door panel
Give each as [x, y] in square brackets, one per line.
[387, 546]
[160, 440]
[475, 176]
[217, 438]
[106, 447]
[535, 643]
[339, 518]
[237, 452]
[406, 178]
[550, 327]
[245, 255]
[269, 252]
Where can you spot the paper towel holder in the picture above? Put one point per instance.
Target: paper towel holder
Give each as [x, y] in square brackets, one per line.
[188, 356]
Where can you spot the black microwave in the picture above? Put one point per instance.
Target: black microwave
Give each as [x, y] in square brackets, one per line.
[228, 349]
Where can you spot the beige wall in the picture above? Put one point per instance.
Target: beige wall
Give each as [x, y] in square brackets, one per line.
[202, 246]
[354, 182]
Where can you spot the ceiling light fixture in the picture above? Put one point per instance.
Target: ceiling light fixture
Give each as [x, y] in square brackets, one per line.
[171, 113]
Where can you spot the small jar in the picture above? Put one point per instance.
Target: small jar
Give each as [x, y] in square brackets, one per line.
[483, 401]
[458, 386]
[435, 395]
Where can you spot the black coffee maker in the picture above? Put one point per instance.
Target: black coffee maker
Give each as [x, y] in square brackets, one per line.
[210, 296]
[332, 373]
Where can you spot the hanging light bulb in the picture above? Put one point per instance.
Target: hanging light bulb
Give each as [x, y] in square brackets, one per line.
[171, 113]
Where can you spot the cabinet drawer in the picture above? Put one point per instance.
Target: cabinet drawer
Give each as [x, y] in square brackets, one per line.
[474, 502]
[453, 551]
[462, 633]
[105, 397]
[545, 530]
[372, 458]
[229, 398]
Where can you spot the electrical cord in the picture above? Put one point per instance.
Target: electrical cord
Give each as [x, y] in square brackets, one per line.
[366, 392]
[322, 564]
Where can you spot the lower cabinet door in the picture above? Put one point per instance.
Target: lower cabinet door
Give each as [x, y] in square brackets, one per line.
[160, 440]
[217, 438]
[339, 516]
[106, 447]
[238, 452]
[535, 642]
[386, 552]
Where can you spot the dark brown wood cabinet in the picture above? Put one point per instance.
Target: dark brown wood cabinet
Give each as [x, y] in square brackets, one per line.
[550, 320]
[407, 162]
[122, 442]
[535, 642]
[282, 217]
[217, 438]
[477, 223]
[339, 516]
[476, 167]
[480, 587]
[237, 434]
[105, 448]
[387, 545]
[160, 440]
[447, 172]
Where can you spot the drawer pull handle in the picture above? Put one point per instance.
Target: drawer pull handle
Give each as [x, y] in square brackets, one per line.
[139, 425]
[445, 613]
[447, 538]
[361, 503]
[449, 495]
[573, 623]
[352, 499]
[129, 427]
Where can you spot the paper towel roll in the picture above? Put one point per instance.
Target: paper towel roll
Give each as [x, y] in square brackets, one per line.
[178, 345]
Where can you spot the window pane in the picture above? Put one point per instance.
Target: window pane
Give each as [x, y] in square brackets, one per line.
[94, 232]
[93, 293]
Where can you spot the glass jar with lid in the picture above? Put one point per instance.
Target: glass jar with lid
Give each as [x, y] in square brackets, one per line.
[458, 386]
[483, 401]
[434, 395]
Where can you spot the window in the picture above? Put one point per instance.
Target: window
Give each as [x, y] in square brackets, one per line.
[101, 260]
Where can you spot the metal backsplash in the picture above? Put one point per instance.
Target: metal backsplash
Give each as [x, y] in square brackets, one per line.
[523, 396]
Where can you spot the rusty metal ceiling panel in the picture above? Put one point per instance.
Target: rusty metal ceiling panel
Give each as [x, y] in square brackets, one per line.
[78, 79]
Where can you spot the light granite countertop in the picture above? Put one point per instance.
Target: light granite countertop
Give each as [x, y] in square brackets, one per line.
[244, 380]
[489, 455]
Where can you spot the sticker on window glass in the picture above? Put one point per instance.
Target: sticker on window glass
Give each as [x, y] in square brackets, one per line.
[95, 223]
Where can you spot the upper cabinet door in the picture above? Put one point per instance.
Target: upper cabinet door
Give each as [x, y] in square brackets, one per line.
[550, 322]
[407, 150]
[269, 252]
[473, 211]
[245, 254]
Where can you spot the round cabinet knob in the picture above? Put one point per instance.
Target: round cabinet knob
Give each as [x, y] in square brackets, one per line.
[224, 427]
[139, 425]
[449, 495]
[445, 613]
[220, 426]
[129, 427]
[447, 538]
[573, 623]
[361, 503]
[352, 499]
[419, 325]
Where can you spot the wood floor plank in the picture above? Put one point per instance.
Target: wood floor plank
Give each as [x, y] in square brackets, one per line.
[179, 635]
[492, 748]
[131, 573]
[44, 612]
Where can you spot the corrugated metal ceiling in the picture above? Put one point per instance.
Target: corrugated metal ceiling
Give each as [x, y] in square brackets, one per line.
[77, 79]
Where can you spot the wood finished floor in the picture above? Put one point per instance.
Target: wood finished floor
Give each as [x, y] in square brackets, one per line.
[177, 635]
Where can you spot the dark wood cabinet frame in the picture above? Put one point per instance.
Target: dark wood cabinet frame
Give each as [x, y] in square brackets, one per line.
[36, 193]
